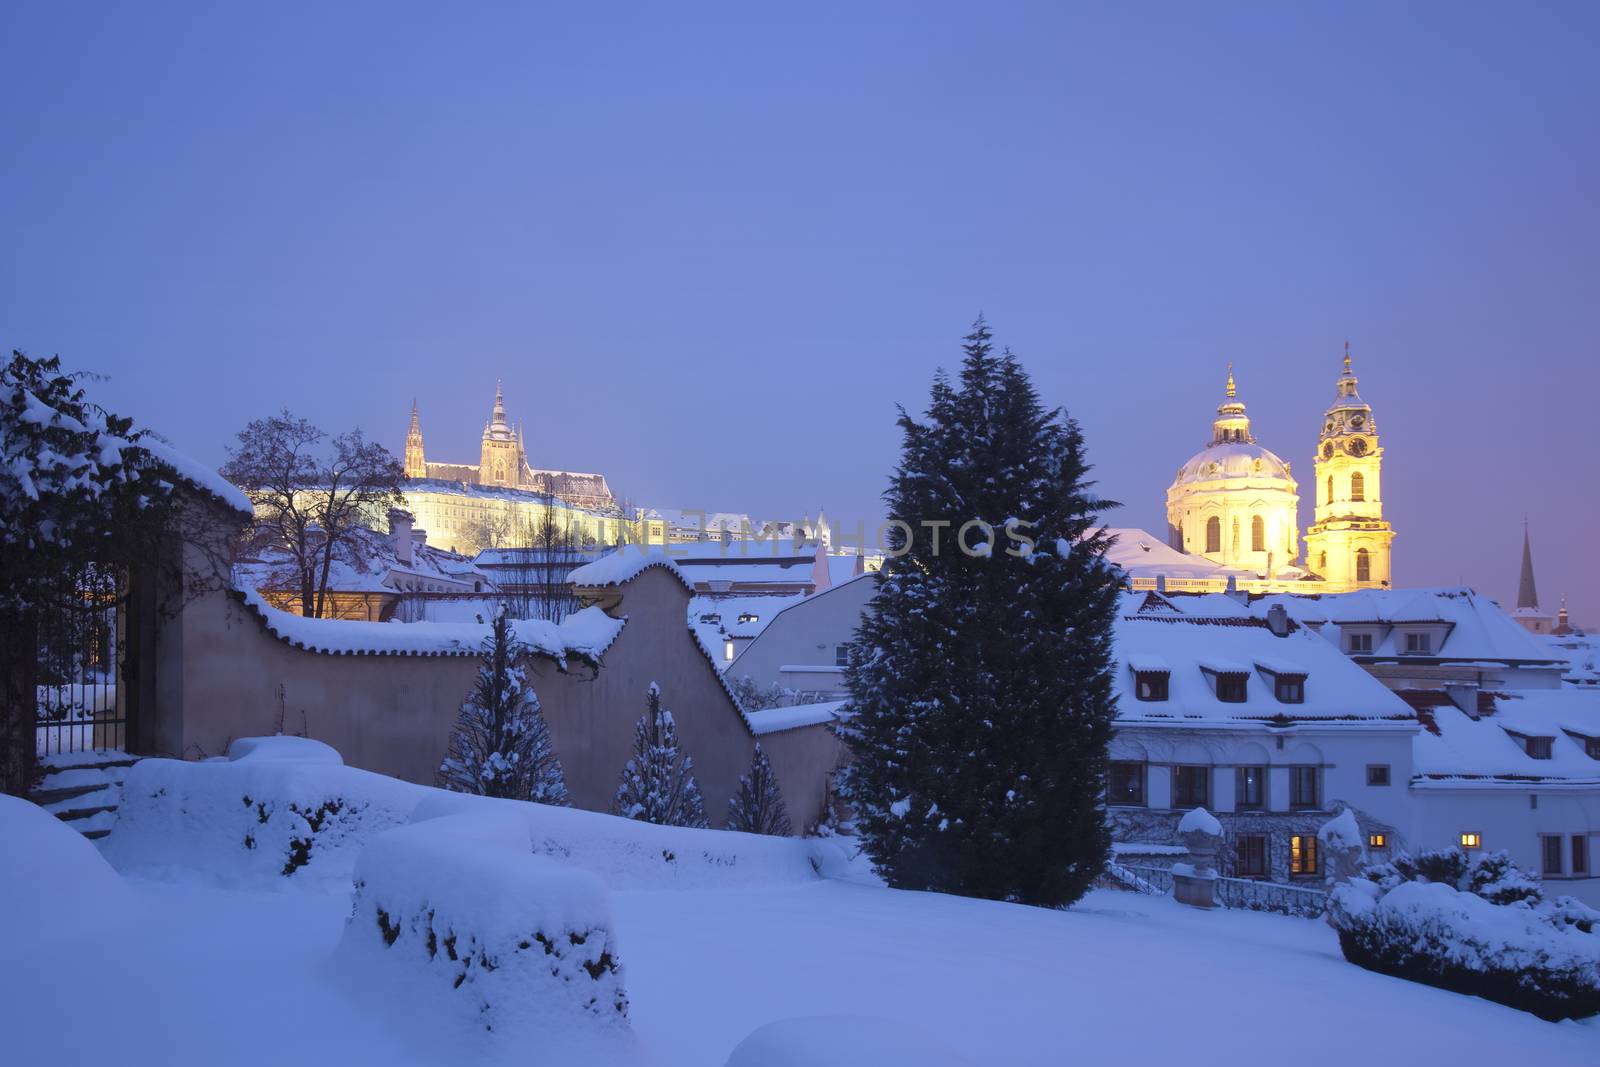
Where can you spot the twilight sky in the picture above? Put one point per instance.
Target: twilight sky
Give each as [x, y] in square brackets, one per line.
[708, 248]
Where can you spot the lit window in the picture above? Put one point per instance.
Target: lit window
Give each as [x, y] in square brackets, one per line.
[1363, 565]
[1377, 774]
[1471, 840]
[727, 651]
[1377, 841]
[1303, 854]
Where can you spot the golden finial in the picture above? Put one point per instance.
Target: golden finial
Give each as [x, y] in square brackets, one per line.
[1347, 357]
[1232, 390]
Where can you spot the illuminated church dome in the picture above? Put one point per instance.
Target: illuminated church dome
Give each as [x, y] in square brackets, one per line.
[1234, 501]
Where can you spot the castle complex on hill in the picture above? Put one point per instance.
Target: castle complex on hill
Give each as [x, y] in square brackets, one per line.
[1236, 503]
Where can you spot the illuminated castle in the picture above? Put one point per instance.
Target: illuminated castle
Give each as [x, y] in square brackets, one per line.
[503, 462]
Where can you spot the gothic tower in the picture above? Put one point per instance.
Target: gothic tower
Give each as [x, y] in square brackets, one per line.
[416, 465]
[499, 458]
[1347, 545]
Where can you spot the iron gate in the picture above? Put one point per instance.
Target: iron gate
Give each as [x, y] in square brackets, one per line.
[81, 703]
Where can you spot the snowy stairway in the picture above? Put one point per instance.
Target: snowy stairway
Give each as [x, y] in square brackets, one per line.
[83, 789]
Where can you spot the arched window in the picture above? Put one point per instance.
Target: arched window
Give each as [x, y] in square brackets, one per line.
[1363, 565]
[1258, 534]
[1322, 563]
[1213, 534]
[1330, 489]
[1358, 487]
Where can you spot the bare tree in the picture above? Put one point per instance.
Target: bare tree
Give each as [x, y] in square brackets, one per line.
[311, 492]
[544, 551]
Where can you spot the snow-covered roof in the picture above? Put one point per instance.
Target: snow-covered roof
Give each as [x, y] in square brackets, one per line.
[715, 619]
[1242, 460]
[1580, 651]
[1476, 628]
[198, 475]
[1198, 638]
[776, 720]
[496, 492]
[1143, 555]
[585, 634]
[1458, 748]
[626, 564]
[368, 563]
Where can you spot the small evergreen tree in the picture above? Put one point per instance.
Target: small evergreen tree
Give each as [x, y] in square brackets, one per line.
[657, 784]
[501, 744]
[758, 808]
[981, 703]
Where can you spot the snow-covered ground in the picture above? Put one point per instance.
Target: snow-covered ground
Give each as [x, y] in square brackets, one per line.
[197, 950]
[197, 975]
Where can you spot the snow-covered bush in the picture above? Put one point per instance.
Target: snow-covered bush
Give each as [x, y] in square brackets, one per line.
[456, 913]
[658, 782]
[753, 697]
[281, 806]
[1492, 876]
[758, 808]
[1517, 954]
[501, 746]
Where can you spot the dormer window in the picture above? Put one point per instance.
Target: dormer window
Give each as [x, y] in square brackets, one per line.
[1358, 643]
[1419, 644]
[1289, 689]
[747, 616]
[1150, 685]
[1538, 747]
[1231, 688]
[1591, 747]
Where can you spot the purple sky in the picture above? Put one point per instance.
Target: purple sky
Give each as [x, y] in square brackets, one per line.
[709, 248]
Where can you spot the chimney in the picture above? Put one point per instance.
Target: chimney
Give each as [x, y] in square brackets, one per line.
[1234, 591]
[400, 534]
[1161, 584]
[1278, 620]
[1463, 695]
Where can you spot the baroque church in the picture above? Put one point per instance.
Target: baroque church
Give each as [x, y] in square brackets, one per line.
[503, 462]
[1236, 503]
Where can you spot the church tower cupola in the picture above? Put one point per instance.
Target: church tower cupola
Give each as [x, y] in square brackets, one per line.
[1231, 423]
[1348, 544]
[416, 465]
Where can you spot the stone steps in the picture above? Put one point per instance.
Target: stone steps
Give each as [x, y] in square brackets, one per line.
[84, 789]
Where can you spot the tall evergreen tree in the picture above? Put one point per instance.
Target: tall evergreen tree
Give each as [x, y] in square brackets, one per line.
[658, 784]
[758, 808]
[501, 744]
[980, 682]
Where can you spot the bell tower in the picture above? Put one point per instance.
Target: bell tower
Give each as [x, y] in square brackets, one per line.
[497, 459]
[1347, 545]
[416, 465]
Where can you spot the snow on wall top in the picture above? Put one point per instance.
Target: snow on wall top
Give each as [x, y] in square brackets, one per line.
[1477, 628]
[624, 565]
[586, 634]
[199, 475]
[1195, 645]
[1491, 747]
[776, 720]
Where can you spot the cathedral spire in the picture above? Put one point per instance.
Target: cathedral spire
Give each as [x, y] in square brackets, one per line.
[416, 466]
[1527, 592]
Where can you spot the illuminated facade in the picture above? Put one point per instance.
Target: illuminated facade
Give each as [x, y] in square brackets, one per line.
[503, 462]
[1347, 544]
[1235, 502]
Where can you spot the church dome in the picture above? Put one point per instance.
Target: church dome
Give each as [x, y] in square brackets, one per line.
[1233, 459]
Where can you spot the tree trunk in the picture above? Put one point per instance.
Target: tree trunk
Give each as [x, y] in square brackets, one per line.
[19, 695]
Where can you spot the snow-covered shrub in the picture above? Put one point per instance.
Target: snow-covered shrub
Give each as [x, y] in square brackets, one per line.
[1523, 956]
[658, 782]
[758, 808]
[501, 746]
[277, 807]
[457, 914]
[1492, 876]
[753, 697]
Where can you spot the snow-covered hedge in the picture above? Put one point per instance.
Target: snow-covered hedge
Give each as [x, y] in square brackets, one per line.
[456, 912]
[278, 806]
[1536, 958]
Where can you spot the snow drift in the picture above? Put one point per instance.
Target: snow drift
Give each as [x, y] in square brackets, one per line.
[839, 1041]
[55, 879]
[455, 915]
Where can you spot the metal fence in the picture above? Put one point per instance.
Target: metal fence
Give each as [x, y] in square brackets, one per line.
[1243, 894]
[79, 704]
